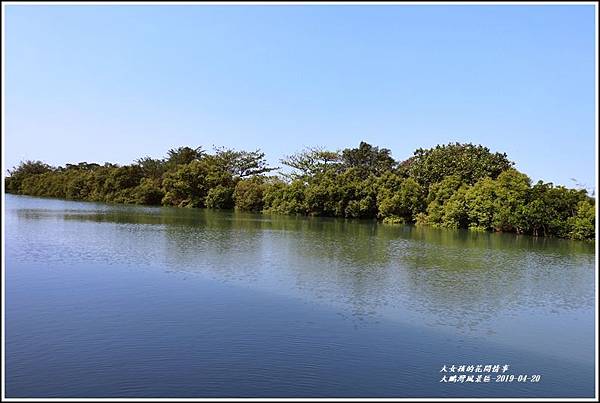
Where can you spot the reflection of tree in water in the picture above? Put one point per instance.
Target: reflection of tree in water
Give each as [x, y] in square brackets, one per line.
[215, 245]
[340, 261]
[454, 278]
[465, 278]
[458, 278]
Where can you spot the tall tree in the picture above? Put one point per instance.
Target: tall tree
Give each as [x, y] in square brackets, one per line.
[470, 162]
[311, 161]
[183, 155]
[368, 160]
[242, 164]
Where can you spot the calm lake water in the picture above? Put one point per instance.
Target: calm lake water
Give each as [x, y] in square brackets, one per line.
[110, 300]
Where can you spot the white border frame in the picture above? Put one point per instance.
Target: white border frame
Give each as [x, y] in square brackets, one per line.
[287, 3]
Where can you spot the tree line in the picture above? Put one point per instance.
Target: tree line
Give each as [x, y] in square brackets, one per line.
[451, 186]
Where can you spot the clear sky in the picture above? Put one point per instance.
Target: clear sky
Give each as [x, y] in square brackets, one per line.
[114, 83]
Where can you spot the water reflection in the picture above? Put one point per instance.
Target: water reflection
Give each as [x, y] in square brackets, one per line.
[439, 277]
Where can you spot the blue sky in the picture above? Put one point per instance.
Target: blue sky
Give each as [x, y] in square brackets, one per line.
[113, 83]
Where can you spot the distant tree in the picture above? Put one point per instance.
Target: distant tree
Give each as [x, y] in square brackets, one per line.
[311, 162]
[368, 160]
[248, 195]
[440, 193]
[25, 169]
[220, 197]
[187, 186]
[583, 224]
[242, 164]
[512, 191]
[480, 203]
[183, 155]
[280, 197]
[124, 177]
[550, 207]
[399, 199]
[469, 162]
[148, 192]
[455, 185]
[455, 212]
[83, 166]
[152, 168]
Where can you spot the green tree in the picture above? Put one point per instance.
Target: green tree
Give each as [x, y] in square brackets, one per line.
[549, 209]
[455, 212]
[148, 192]
[183, 156]
[399, 199]
[454, 185]
[120, 181]
[439, 193]
[248, 195]
[280, 197]
[368, 160]
[187, 186]
[23, 170]
[511, 195]
[152, 168]
[311, 162]
[242, 164]
[220, 197]
[469, 162]
[583, 224]
[480, 203]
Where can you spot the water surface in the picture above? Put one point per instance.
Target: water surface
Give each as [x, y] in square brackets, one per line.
[110, 300]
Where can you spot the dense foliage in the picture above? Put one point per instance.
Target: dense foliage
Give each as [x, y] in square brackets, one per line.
[452, 186]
